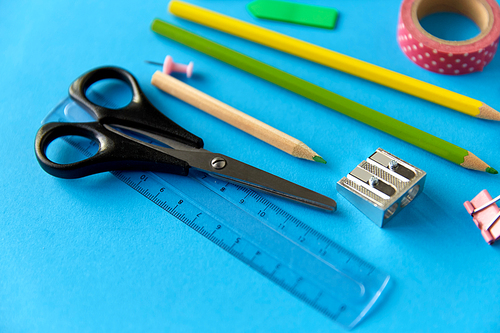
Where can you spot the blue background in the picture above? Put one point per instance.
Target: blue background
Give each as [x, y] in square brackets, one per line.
[93, 255]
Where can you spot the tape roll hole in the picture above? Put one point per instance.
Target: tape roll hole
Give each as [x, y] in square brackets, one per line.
[450, 26]
[410, 195]
[451, 19]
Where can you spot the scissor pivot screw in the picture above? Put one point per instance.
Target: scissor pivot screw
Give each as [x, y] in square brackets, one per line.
[218, 163]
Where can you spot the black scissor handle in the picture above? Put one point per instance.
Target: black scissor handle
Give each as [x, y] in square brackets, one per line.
[139, 113]
[115, 152]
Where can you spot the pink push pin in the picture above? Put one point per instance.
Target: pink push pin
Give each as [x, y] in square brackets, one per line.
[486, 215]
[170, 66]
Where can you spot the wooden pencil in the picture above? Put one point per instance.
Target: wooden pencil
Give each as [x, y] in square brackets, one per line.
[325, 97]
[234, 117]
[334, 60]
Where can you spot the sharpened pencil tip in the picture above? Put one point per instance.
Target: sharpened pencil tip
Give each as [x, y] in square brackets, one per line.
[321, 160]
[491, 170]
[487, 112]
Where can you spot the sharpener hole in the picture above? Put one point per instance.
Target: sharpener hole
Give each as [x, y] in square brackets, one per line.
[410, 195]
[389, 212]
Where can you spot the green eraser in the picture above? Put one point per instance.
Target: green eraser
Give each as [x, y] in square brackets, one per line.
[315, 16]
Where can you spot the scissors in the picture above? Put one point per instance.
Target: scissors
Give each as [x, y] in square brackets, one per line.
[120, 151]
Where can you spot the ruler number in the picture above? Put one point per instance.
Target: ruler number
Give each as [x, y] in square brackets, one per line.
[255, 255]
[180, 202]
[162, 189]
[261, 213]
[144, 178]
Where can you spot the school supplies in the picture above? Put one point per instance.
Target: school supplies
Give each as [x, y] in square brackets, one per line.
[486, 215]
[334, 60]
[382, 186]
[291, 12]
[324, 97]
[254, 229]
[234, 117]
[443, 56]
[119, 150]
[169, 66]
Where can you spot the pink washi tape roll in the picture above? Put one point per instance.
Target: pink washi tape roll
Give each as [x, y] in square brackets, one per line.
[449, 57]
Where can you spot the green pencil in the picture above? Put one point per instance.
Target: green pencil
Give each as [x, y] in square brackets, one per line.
[325, 97]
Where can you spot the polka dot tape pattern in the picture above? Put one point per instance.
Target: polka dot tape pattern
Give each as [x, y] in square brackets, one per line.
[449, 57]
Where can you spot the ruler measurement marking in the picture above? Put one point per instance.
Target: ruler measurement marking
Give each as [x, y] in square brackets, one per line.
[327, 243]
[296, 283]
[275, 269]
[300, 225]
[317, 297]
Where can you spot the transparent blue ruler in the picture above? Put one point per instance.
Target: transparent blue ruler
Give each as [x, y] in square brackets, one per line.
[253, 229]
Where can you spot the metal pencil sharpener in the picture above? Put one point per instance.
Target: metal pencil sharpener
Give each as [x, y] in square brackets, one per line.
[382, 185]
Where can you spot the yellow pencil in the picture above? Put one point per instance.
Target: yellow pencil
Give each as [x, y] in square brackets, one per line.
[234, 117]
[334, 60]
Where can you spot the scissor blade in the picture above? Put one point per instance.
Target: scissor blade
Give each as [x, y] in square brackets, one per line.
[234, 171]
